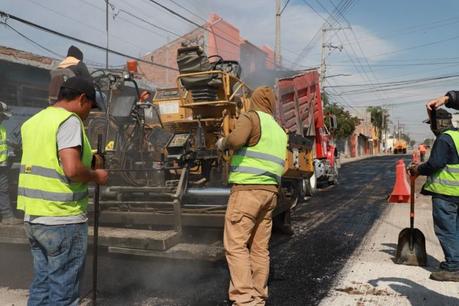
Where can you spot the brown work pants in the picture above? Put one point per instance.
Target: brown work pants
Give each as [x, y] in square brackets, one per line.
[248, 223]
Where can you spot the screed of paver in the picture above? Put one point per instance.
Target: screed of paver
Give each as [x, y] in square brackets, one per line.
[372, 278]
[13, 297]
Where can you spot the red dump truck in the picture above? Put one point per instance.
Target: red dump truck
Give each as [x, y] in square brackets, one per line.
[300, 111]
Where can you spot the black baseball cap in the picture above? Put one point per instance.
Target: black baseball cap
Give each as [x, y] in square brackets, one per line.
[441, 114]
[84, 86]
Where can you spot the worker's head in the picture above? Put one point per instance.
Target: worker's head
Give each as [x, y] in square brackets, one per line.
[4, 114]
[77, 95]
[442, 121]
[75, 52]
[263, 99]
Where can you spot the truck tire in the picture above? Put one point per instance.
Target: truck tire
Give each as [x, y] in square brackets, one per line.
[310, 185]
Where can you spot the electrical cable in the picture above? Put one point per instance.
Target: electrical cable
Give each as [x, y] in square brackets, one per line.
[45, 29]
[285, 6]
[32, 41]
[169, 10]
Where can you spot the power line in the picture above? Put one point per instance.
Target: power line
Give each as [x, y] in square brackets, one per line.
[285, 6]
[33, 41]
[188, 10]
[148, 22]
[7, 16]
[80, 23]
[197, 24]
[148, 30]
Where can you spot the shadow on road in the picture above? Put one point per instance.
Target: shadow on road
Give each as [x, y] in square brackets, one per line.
[415, 293]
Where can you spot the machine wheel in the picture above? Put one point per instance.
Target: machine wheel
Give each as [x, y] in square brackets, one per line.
[310, 185]
[290, 194]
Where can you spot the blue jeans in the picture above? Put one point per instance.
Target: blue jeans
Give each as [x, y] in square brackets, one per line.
[446, 226]
[5, 208]
[59, 253]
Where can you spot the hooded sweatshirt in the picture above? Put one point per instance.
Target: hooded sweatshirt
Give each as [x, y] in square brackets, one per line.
[247, 131]
[77, 66]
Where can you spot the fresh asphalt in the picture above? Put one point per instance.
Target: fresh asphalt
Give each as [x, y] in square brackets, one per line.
[328, 228]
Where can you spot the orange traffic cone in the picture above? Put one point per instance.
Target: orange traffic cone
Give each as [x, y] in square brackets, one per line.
[416, 158]
[401, 191]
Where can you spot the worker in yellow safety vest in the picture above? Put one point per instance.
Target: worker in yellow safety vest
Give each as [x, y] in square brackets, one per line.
[442, 171]
[6, 212]
[260, 148]
[53, 192]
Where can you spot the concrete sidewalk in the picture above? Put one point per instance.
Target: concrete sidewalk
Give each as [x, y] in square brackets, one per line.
[371, 277]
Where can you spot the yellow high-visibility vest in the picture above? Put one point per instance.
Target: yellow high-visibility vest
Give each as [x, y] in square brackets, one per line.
[43, 189]
[263, 163]
[446, 180]
[3, 146]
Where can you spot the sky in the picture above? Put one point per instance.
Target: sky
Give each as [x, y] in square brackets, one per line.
[388, 53]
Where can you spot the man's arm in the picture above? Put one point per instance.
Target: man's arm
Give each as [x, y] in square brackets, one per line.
[438, 157]
[76, 171]
[450, 99]
[240, 135]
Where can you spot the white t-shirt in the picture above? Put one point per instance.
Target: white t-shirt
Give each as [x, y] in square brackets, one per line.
[68, 136]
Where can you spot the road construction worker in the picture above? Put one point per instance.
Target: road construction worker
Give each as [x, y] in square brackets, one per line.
[53, 192]
[260, 146]
[71, 66]
[6, 212]
[442, 169]
[422, 152]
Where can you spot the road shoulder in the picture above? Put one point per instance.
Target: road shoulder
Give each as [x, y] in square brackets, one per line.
[371, 277]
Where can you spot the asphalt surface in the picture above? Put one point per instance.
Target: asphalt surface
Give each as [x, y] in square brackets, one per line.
[328, 228]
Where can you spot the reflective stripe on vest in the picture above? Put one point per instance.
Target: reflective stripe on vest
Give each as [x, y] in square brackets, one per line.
[264, 162]
[44, 190]
[3, 146]
[446, 180]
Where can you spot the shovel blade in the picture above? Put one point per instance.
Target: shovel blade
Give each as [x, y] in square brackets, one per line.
[411, 248]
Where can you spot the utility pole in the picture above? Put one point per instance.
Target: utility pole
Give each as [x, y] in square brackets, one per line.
[277, 43]
[106, 29]
[324, 47]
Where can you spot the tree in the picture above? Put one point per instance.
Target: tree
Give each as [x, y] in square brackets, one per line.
[346, 123]
[412, 143]
[379, 118]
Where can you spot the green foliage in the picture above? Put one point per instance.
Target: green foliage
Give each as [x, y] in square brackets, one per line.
[379, 118]
[345, 121]
[412, 143]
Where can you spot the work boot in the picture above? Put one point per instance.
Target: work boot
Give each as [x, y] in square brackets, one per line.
[11, 221]
[445, 276]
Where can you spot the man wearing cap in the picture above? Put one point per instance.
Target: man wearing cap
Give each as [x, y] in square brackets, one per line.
[442, 171]
[53, 192]
[71, 66]
[257, 164]
[6, 213]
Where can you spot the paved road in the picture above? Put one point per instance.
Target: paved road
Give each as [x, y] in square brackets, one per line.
[328, 228]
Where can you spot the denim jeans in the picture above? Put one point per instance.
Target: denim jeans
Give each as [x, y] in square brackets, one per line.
[446, 226]
[5, 208]
[59, 253]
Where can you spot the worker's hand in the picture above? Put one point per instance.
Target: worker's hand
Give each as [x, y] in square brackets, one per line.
[413, 169]
[100, 176]
[436, 103]
[220, 144]
[98, 161]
